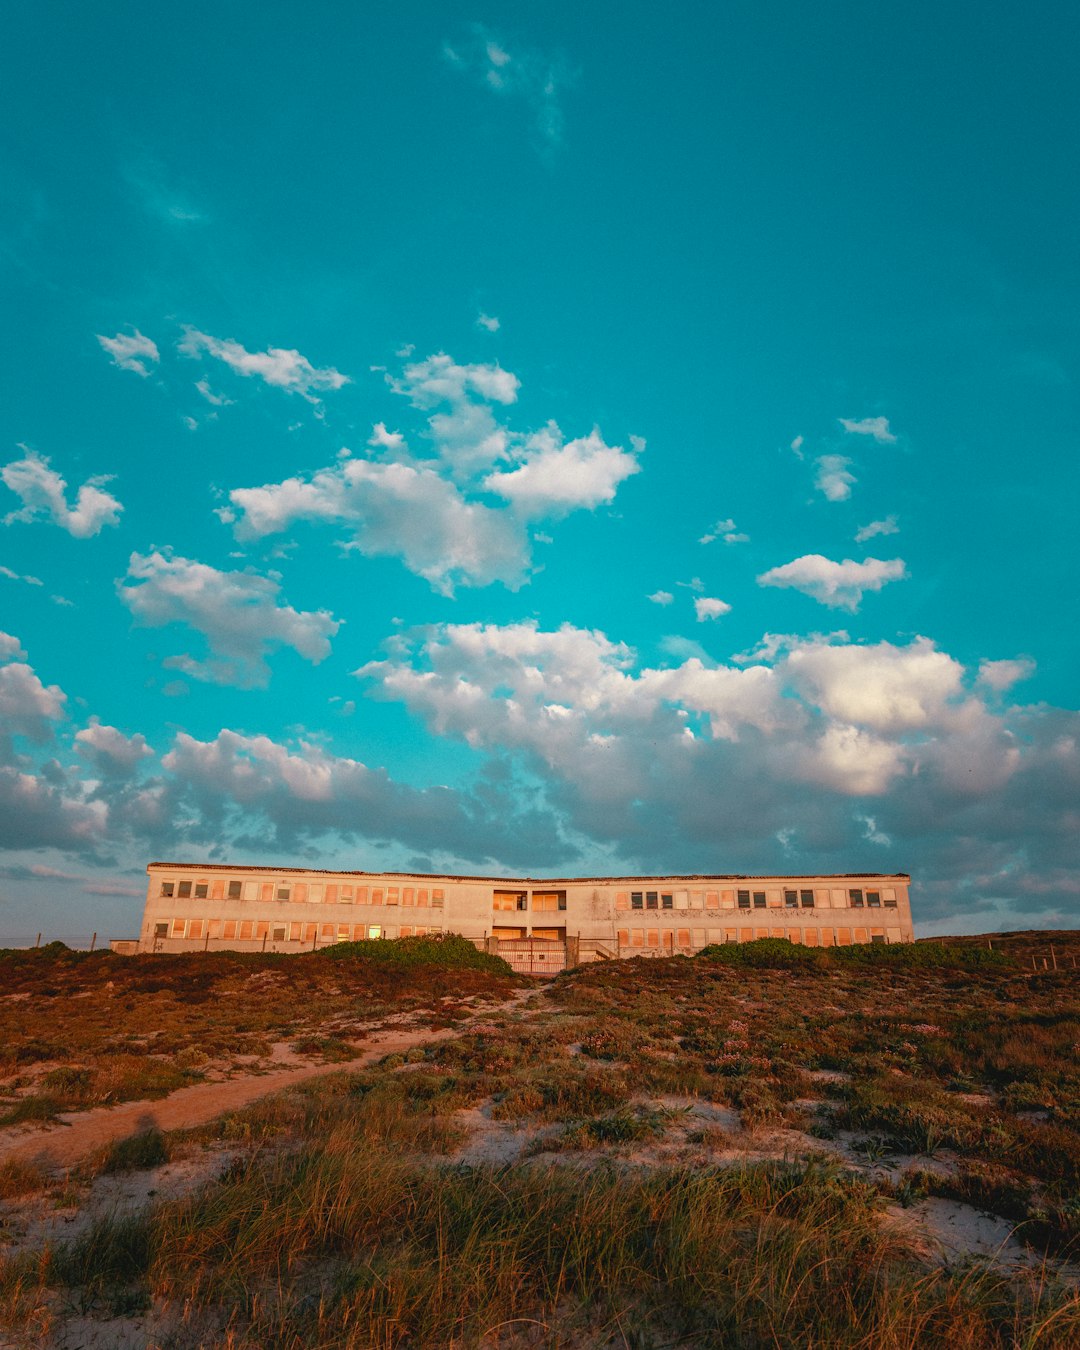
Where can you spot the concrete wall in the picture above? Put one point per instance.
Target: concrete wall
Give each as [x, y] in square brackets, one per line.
[275, 909]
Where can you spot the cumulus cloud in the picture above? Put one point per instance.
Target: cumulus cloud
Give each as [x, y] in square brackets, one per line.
[840, 585]
[131, 351]
[430, 510]
[876, 427]
[876, 527]
[27, 706]
[43, 492]
[661, 597]
[238, 613]
[10, 647]
[834, 477]
[109, 750]
[1002, 675]
[488, 322]
[705, 607]
[515, 71]
[280, 367]
[554, 477]
[868, 755]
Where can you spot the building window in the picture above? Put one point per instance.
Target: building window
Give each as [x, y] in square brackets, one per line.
[791, 899]
[890, 899]
[279, 932]
[807, 899]
[877, 937]
[283, 893]
[651, 900]
[184, 890]
[392, 894]
[200, 890]
[234, 890]
[422, 898]
[759, 899]
[873, 899]
[744, 899]
[161, 930]
[856, 899]
[666, 901]
[167, 888]
[436, 897]
[637, 900]
[374, 931]
[547, 902]
[408, 895]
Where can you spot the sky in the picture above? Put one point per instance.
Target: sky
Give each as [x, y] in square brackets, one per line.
[547, 440]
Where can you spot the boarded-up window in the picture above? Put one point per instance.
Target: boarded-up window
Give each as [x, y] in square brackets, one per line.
[315, 893]
[637, 937]
[731, 935]
[622, 899]
[406, 930]
[377, 895]
[682, 937]
[894, 935]
[247, 927]
[822, 897]
[712, 899]
[195, 928]
[217, 890]
[345, 895]
[794, 935]
[331, 895]
[359, 932]
[839, 899]
[408, 895]
[214, 928]
[761, 932]
[776, 932]
[811, 937]
[310, 929]
[669, 938]
[421, 932]
[343, 932]
[698, 937]
[229, 930]
[859, 935]
[652, 937]
[296, 932]
[436, 897]
[623, 937]
[392, 895]
[843, 937]
[178, 927]
[727, 899]
[251, 890]
[826, 937]
[267, 891]
[776, 899]
[327, 932]
[262, 928]
[300, 892]
[422, 897]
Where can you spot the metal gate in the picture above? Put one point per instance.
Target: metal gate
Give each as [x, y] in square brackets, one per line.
[534, 956]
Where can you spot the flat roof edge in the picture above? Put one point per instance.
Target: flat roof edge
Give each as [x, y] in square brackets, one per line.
[546, 881]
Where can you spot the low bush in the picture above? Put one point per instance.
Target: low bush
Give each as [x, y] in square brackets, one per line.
[764, 954]
[138, 1152]
[450, 952]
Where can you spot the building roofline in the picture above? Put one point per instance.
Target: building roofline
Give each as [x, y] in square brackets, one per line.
[529, 881]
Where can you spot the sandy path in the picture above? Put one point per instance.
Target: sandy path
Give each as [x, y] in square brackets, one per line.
[84, 1131]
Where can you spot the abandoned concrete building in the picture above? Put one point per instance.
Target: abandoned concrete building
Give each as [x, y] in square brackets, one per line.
[537, 924]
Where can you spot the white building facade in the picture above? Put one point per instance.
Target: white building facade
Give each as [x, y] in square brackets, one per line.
[198, 906]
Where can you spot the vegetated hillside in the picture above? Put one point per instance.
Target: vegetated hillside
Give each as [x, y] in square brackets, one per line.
[81, 1028]
[753, 1147]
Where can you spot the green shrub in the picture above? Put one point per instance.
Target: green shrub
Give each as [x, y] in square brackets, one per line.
[137, 1152]
[450, 952]
[763, 954]
[920, 956]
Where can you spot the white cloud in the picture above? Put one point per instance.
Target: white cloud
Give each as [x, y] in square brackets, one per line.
[18, 576]
[238, 613]
[44, 496]
[876, 527]
[488, 322]
[554, 477]
[218, 400]
[797, 447]
[726, 530]
[834, 477]
[840, 585]
[515, 72]
[27, 707]
[661, 597]
[382, 439]
[429, 511]
[278, 366]
[109, 750]
[10, 647]
[396, 510]
[872, 833]
[705, 607]
[877, 427]
[131, 351]
[1002, 675]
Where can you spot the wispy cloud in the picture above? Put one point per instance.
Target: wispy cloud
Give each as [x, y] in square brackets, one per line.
[840, 585]
[877, 427]
[43, 492]
[726, 530]
[706, 607]
[1002, 675]
[131, 351]
[834, 477]
[511, 70]
[283, 368]
[661, 597]
[887, 526]
[488, 322]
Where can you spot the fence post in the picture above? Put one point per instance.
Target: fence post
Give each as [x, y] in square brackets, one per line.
[93, 942]
[1053, 955]
[38, 942]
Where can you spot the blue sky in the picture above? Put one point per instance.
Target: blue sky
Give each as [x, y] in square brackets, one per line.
[555, 439]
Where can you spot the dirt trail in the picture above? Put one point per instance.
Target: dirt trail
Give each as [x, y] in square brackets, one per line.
[84, 1131]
